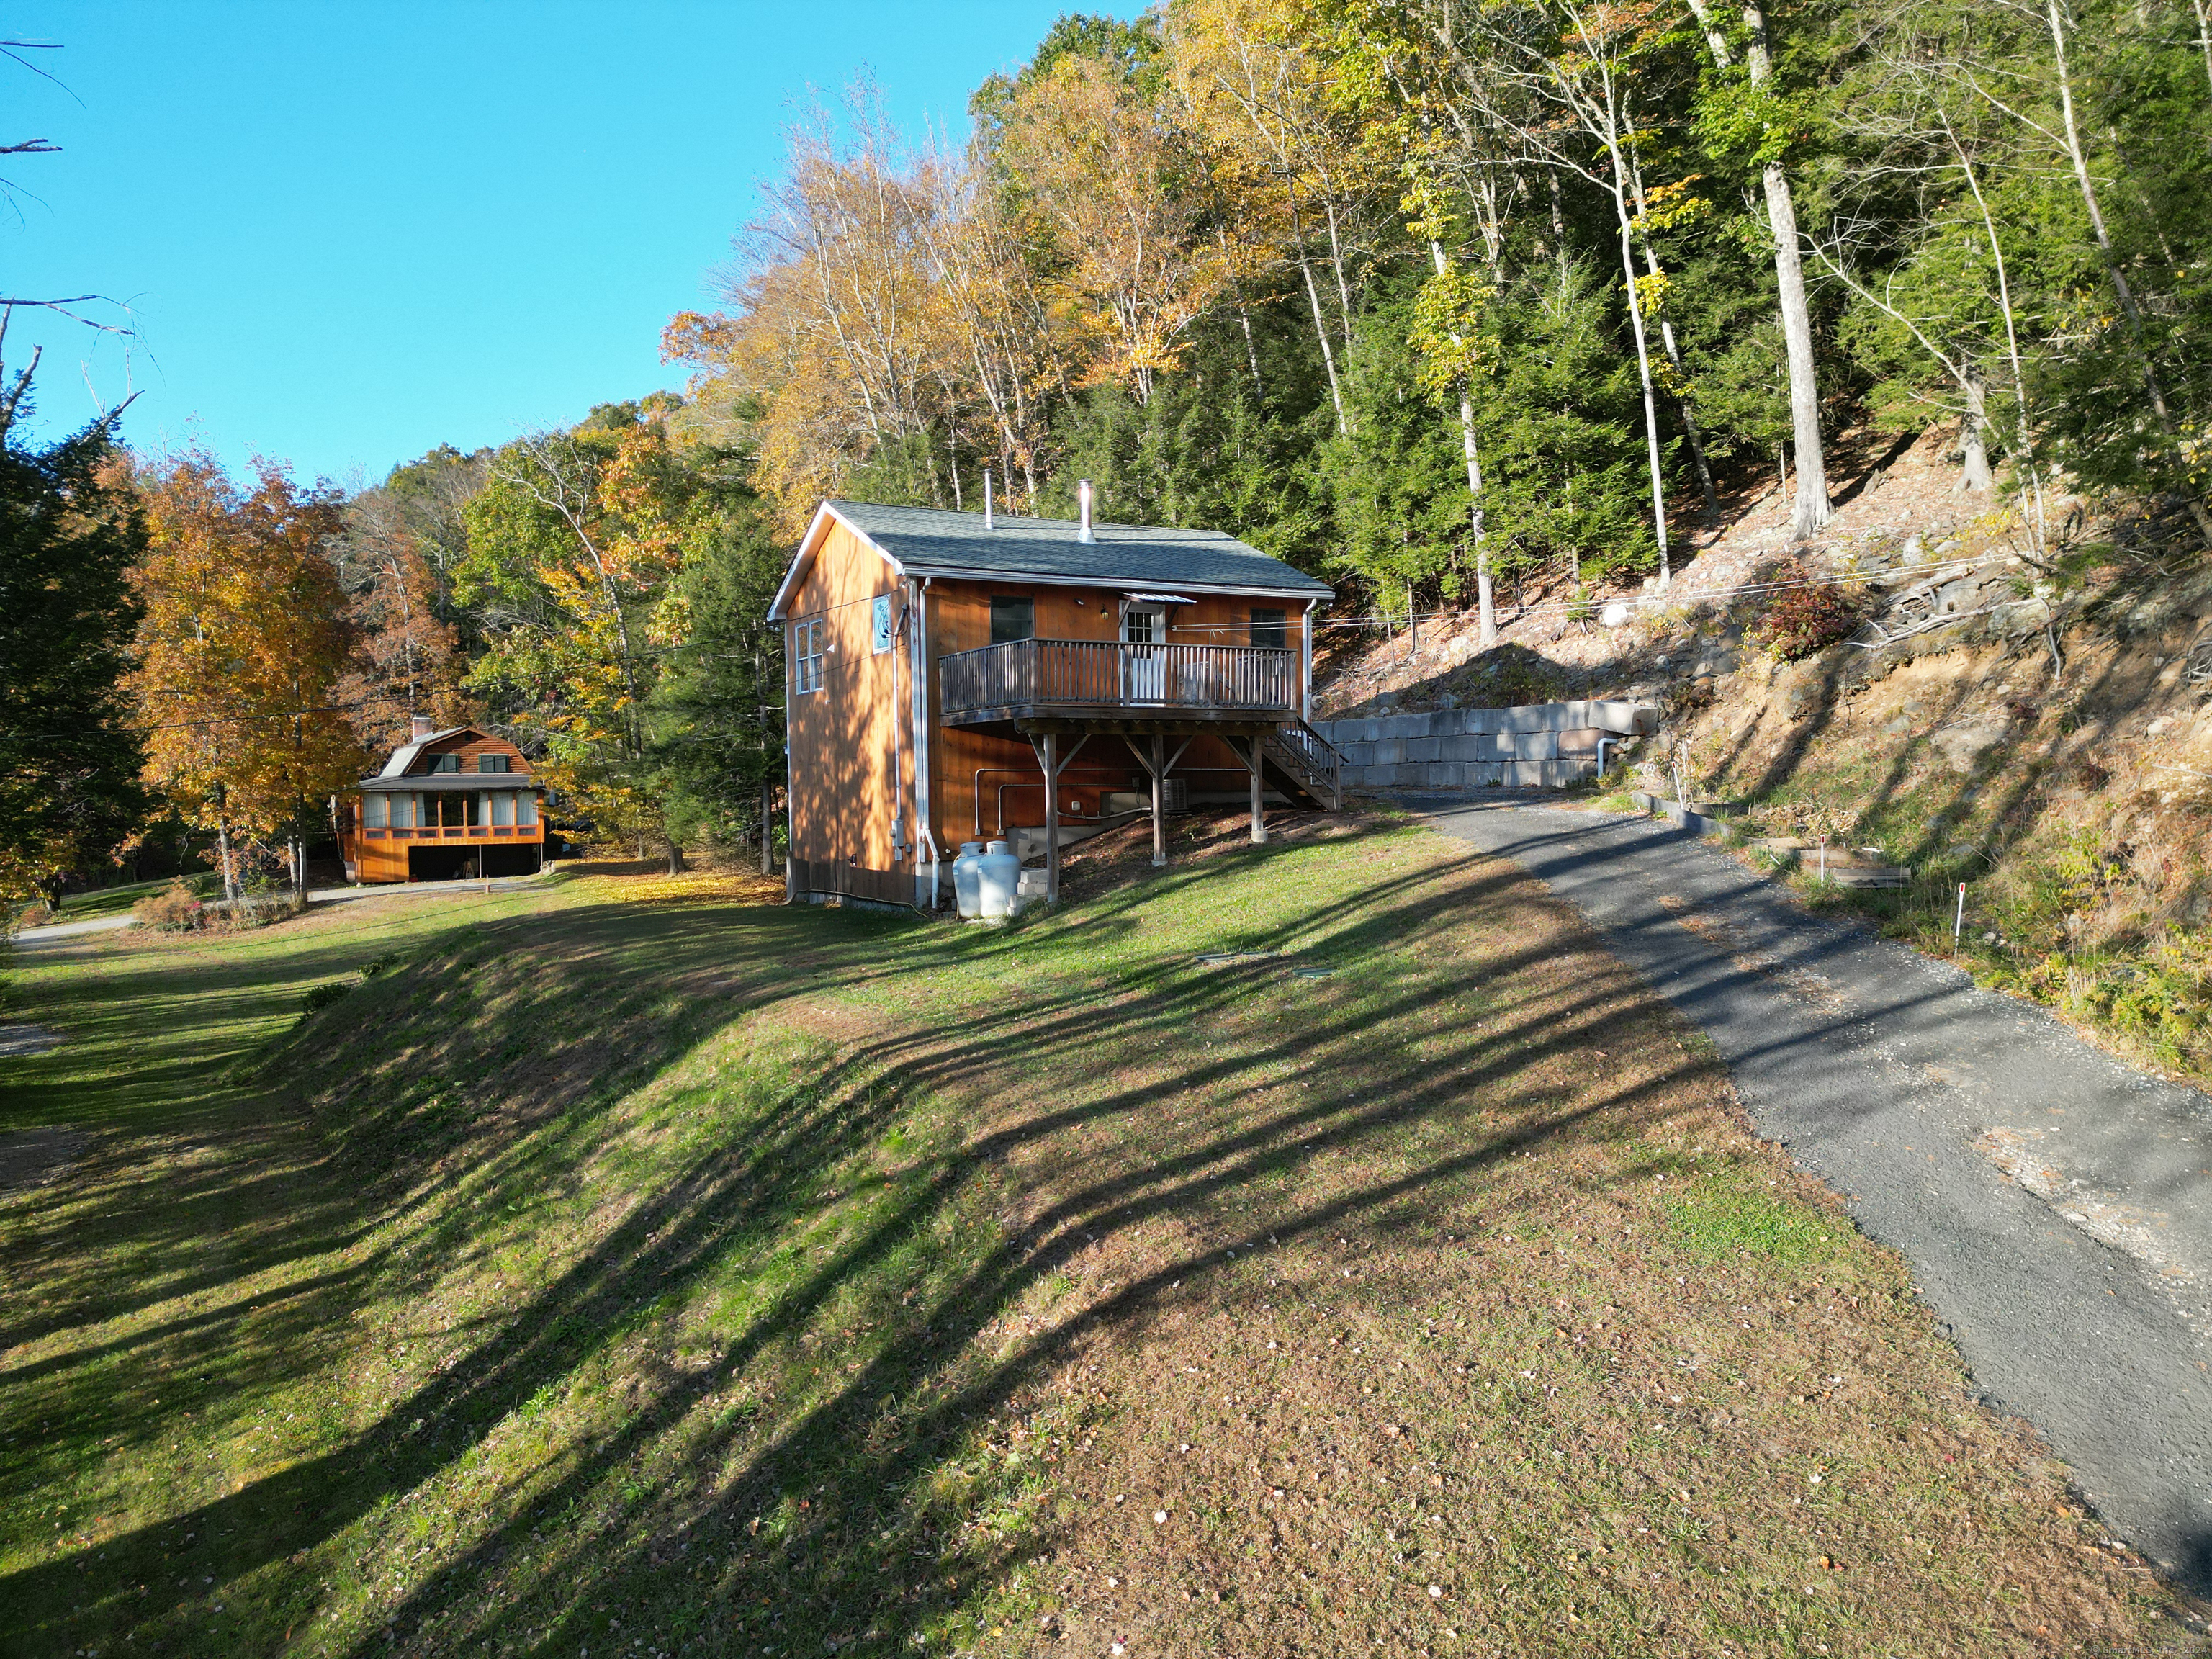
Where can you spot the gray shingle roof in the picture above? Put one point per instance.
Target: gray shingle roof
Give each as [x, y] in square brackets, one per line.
[929, 541]
[438, 783]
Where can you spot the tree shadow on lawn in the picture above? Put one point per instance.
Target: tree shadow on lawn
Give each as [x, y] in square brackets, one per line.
[846, 1487]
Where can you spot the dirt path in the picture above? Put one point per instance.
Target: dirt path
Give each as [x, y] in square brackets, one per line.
[2053, 1202]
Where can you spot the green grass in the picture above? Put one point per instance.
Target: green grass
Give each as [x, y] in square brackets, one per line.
[699, 1276]
[114, 901]
[1722, 1220]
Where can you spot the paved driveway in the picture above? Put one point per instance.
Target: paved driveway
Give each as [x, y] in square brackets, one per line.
[59, 932]
[2056, 1205]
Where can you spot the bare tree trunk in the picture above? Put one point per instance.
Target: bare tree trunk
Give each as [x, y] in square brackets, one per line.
[2119, 277]
[1478, 532]
[223, 854]
[1814, 509]
[1558, 227]
[1643, 369]
[1244, 316]
[767, 829]
[1336, 264]
[1674, 357]
[2204, 34]
[675, 858]
[1328, 356]
[1974, 456]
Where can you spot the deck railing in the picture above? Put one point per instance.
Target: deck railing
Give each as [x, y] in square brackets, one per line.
[1113, 674]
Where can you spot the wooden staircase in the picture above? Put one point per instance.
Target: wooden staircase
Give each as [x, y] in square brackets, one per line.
[1302, 766]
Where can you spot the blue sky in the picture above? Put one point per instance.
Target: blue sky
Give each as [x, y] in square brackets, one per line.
[349, 231]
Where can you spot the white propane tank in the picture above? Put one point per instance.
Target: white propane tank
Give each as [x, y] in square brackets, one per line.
[999, 875]
[967, 885]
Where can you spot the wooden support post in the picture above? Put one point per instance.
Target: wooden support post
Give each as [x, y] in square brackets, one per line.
[1252, 759]
[1159, 802]
[1051, 818]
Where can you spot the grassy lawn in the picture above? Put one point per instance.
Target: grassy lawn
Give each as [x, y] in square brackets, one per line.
[115, 901]
[634, 1267]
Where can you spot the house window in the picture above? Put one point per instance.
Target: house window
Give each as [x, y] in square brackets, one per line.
[445, 762]
[879, 635]
[808, 659]
[1013, 619]
[491, 762]
[525, 806]
[1268, 629]
[375, 812]
[404, 814]
[502, 809]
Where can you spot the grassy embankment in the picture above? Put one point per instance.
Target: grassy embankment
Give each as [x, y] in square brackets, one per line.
[2080, 816]
[648, 1276]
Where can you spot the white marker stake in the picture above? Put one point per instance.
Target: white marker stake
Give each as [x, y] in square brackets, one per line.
[1959, 921]
[1824, 861]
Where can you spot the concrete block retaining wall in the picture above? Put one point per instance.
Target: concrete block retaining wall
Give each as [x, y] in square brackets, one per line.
[1536, 746]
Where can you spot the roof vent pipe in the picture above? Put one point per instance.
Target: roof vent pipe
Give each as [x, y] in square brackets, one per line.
[987, 498]
[1082, 498]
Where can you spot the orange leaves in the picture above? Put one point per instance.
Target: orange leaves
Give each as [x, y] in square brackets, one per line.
[242, 640]
[1103, 165]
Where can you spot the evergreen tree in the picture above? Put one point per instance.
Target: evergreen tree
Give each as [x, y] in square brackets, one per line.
[68, 759]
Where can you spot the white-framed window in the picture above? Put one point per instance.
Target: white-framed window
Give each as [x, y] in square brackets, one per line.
[375, 812]
[809, 658]
[881, 625]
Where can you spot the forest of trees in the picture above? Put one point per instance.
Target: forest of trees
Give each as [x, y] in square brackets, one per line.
[1420, 295]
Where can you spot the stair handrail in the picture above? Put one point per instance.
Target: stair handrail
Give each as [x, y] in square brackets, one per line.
[1322, 757]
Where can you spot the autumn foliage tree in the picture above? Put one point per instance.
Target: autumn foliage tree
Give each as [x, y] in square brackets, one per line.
[238, 655]
[405, 659]
[572, 545]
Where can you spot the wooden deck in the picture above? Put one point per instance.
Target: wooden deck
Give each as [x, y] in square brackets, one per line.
[1091, 680]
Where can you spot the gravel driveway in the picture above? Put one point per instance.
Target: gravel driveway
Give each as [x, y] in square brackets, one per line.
[2052, 1201]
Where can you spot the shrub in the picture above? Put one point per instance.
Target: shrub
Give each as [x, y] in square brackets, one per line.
[36, 913]
[171, 910]
[1799, 621]
[320, 997]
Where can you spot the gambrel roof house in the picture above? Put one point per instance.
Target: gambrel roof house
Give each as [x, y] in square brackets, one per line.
[452, 803]
[958, 675]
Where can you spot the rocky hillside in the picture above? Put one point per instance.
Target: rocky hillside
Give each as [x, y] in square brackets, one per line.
[1919, 686]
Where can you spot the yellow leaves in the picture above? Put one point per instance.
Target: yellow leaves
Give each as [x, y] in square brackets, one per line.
[1671, 205]
[1651, 295]
[1448, 331]
[1103, 164]
[240, 646]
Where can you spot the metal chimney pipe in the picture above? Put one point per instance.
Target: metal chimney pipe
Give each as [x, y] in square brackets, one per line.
[1082, 498]
[987, 498]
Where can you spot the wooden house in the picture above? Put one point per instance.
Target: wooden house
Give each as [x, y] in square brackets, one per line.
[957, 676]
[448, 805]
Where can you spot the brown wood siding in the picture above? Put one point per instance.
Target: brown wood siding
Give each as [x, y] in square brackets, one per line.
[469, 747]
[960, 620]
[842, 791]
[380, 855]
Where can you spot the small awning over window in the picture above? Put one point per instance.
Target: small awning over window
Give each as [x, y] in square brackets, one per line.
[1159, 599]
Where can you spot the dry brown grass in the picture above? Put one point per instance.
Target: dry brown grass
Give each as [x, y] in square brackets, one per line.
[771, 1278]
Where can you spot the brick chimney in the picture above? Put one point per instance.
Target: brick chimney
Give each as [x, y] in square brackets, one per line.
[420, 727]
